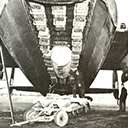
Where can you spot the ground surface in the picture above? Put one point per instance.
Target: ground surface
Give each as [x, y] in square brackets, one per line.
[103, 114]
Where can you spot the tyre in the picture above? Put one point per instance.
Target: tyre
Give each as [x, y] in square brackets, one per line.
[30, 115]
[61, 118]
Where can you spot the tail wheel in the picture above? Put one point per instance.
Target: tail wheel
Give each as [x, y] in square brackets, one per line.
[116, 94]
[115, 85]
[61, 118]
[30, 115]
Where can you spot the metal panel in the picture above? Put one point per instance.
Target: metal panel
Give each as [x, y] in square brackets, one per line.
[97, 43]
[19, 38]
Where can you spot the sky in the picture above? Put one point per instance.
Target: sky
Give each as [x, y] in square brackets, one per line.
[102, 80]
[122, 8]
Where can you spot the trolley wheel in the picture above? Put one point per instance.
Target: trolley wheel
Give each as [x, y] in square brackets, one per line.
[30, 115]
[61, 118]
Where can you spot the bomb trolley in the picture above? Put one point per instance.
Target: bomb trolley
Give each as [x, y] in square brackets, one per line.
[54, 107]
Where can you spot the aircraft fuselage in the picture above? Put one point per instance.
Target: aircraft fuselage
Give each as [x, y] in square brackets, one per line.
[54, 42]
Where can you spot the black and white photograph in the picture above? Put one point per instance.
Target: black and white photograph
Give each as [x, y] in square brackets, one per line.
[63, 63]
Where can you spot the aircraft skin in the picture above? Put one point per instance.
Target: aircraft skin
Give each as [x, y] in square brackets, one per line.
[48, 69]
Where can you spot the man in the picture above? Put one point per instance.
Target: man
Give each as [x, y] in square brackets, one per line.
[79, 84]
[123, 97]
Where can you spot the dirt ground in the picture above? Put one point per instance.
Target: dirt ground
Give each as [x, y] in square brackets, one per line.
[103, 114]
